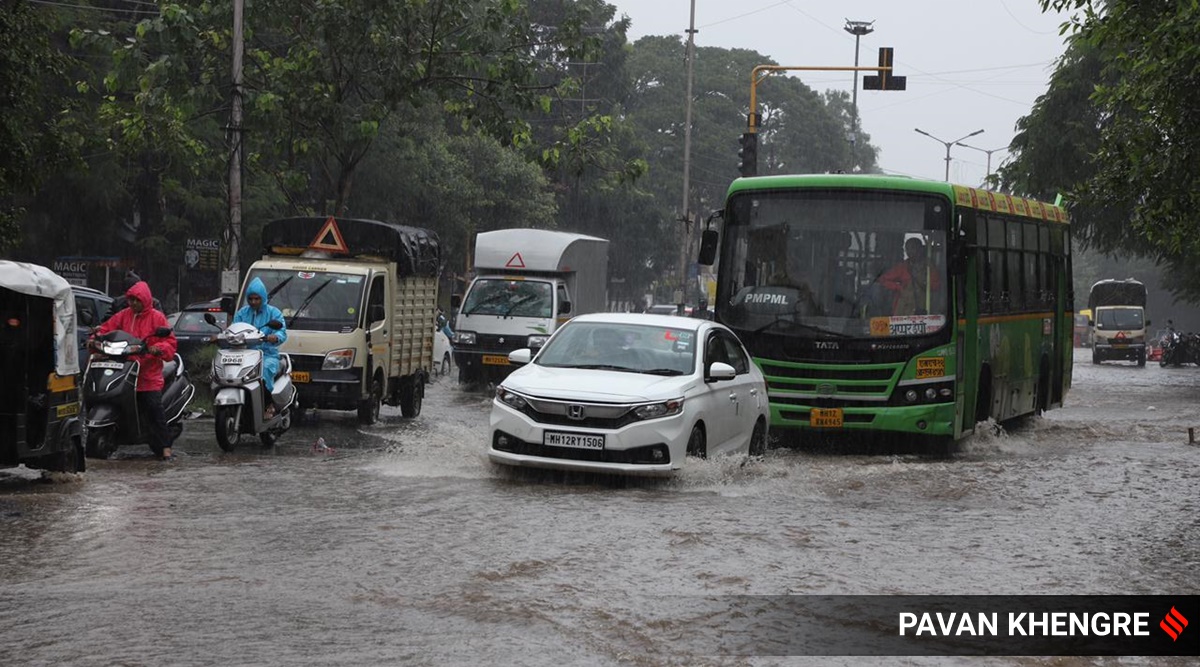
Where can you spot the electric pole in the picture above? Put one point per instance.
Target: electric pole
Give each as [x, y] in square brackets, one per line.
[230, 283]
[685, 209]
[948, 144]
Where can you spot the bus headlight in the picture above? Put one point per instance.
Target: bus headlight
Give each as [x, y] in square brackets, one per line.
[911, 395]
[936, 392]
[338, 360]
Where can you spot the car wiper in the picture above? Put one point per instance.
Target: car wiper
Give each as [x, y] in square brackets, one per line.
[491, 299]
[662, 371]
[278, 287]
[304, 304]
[604, 367]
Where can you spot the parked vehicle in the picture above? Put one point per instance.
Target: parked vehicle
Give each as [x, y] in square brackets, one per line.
[1119, 320]
[632, 394]
[110, 394]
[91, 308]
[528, 283]
[192, 330]
[442, 352]
[359, 297]
[241, 403]
[1154, 347]
[39, 397]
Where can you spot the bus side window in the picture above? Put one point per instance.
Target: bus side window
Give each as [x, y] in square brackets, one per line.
[998, 297]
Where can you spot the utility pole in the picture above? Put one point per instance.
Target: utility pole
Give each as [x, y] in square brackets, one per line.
[947, 144]
[989, 157]
[230, 283]
[685, 208]
[858, 29]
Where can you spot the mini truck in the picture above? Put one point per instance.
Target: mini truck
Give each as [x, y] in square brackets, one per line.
[528, 282]
[1119, 320]
[359, 299]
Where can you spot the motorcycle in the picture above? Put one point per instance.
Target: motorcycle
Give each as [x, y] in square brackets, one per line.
[110, 394]
[240, 398]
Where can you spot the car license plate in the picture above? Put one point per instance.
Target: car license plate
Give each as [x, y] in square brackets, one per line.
[495, 359]
[115, 365]
[825, 418]
[576, 440]
[301, 376]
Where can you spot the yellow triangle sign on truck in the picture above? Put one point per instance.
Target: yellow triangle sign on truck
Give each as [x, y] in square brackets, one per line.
[329, 238]
[515, 262]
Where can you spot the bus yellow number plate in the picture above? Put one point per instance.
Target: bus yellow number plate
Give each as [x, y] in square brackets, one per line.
[931, 367]
[301, 376]
[495, 359]
[825, 418]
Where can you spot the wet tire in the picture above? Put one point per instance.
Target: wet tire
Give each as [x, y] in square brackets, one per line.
[411, 396]
[696, 445]
[71, 459]
[100, 444]
[445, 367]
[1141, 359]
[368, 408]
[267, 438]
[226, 427]
[758, 439]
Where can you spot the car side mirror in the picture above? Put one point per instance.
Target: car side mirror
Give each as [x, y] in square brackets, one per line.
[709, 239]
[162, 332]
[521, 356]
[208, 317]
[564, 307]
[1149, 322]
[719, 370]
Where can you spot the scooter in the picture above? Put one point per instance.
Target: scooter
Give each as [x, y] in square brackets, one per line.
[240, 398]
[110, 394]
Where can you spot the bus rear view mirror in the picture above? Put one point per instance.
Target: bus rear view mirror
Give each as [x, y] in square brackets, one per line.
[708, 246]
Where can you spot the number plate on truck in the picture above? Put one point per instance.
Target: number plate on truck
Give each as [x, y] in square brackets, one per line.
[576, 440]
[301, 376]
[825, 418]
[495, 359]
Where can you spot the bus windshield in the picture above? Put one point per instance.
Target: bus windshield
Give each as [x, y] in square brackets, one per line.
[314, 300]
[835, 263]
[509, 298]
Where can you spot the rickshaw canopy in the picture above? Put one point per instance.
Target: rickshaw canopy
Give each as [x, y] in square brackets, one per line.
[39, 281]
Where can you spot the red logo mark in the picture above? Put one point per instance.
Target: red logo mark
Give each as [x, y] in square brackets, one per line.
[1173, 624]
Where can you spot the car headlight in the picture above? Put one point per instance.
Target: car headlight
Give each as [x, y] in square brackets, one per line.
[464, 337]
[537, 341]
[657, 410]
[510, 399]
[338, 360]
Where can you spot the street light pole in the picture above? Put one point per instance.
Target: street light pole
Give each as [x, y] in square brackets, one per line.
[989, 156]
[685, 208]
[858, 29]
[947, 144]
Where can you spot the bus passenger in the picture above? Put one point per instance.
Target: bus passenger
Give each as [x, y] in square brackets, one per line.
[910, 280]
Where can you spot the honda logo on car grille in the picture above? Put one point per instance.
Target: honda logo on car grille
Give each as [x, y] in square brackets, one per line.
[575, 411]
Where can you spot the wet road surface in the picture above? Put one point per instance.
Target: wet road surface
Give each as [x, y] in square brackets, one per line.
[406, 546]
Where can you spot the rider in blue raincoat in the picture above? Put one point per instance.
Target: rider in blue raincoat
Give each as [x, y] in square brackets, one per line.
[257, 312]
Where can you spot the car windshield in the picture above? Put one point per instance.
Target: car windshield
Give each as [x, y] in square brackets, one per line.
[509, 298]
[192, 321]
[1119, 318]
[634, 348]
[314, 300]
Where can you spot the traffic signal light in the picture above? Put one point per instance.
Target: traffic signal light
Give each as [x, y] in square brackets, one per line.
[885, 80]
[748, 154]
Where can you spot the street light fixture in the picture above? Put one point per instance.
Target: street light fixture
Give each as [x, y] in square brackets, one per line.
[858, 29]
[947, 144]
[989, 156]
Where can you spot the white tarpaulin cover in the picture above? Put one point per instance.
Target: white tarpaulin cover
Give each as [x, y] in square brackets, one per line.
[36, 280]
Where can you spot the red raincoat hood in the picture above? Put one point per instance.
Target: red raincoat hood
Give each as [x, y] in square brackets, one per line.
[141, 292]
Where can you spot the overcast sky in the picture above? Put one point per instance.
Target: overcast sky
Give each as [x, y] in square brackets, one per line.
[971, 64]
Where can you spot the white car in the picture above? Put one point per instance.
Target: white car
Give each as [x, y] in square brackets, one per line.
[442, 353]
[630, 394]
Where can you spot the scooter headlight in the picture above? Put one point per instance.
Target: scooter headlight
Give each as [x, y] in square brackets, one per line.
[338, 360]
[248, 374]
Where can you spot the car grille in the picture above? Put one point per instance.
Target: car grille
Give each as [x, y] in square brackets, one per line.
[637, 456]
[608, 416]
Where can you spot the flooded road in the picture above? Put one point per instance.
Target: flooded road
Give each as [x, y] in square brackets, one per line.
[405, 546]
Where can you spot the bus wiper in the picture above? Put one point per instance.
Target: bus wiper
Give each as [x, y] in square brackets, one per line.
[307, 300]
[801, 325]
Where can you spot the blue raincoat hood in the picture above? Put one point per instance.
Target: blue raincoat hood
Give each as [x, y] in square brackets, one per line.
[256, 286]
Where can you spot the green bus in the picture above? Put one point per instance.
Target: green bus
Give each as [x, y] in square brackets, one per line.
[886, 304]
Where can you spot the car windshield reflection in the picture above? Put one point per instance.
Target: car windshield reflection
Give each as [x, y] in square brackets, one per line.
[629, 348]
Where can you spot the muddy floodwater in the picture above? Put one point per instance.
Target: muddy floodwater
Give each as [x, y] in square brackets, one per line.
[405, 546]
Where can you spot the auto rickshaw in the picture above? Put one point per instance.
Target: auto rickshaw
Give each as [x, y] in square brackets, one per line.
[39, 355]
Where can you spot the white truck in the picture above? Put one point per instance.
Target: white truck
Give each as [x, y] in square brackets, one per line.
[359, 298]
[527, 283]
[1119, 320]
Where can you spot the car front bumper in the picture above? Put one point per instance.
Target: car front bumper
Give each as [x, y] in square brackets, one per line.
[518, 440]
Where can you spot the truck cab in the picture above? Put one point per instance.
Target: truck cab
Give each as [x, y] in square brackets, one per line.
[1118, 321]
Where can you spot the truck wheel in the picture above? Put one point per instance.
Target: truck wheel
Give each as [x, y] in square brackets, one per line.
[368, 408]
[227, 427]
[410, 397]
[1142, 359]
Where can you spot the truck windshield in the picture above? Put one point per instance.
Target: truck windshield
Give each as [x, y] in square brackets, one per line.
[314, 300]
[835, 264]
[1119, 318]
[509, 298]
